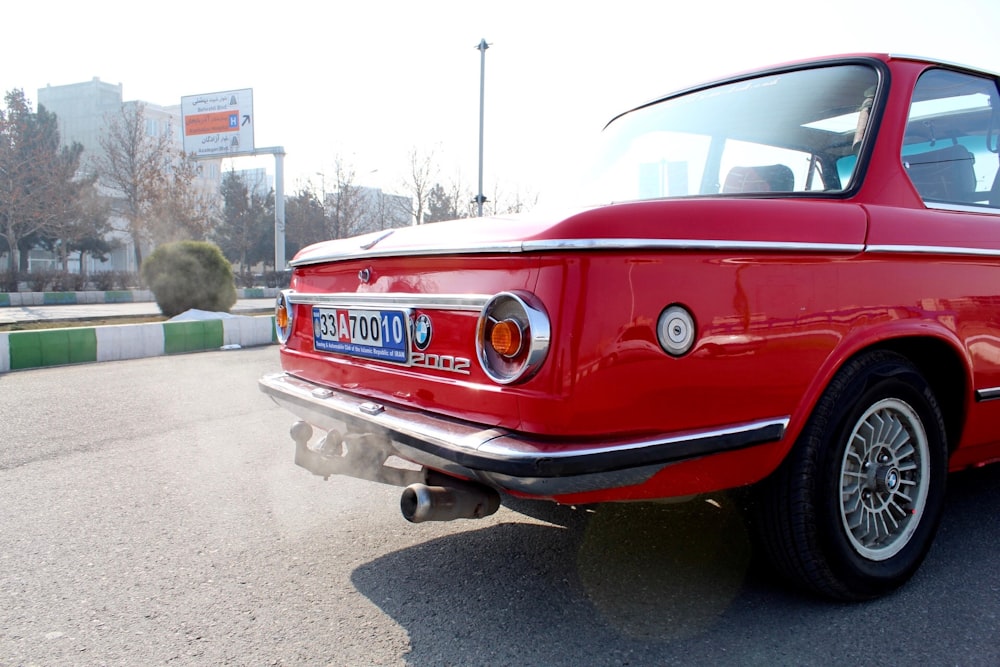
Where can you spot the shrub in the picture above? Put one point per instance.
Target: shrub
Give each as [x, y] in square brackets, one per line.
[9, 281]
[126, 280]
[39, 281]
[189, 274]
[104, 280]
[68, 282]
[278, 279]
[60, 282]
[245, 279]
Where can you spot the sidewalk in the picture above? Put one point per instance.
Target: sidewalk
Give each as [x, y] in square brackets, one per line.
[250, 323]
[89, 311]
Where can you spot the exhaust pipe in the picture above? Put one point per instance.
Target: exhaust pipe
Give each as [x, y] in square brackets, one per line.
[420, 502]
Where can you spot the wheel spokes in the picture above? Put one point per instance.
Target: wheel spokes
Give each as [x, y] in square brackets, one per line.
[881, 483]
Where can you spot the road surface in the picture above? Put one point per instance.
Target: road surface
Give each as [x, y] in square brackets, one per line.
[152, 515]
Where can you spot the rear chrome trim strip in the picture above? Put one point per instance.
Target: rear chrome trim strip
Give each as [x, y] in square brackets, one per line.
[470, 302]
[934, 250]
[507, 459]
[687, 244]
[611, 244]
[492, 248]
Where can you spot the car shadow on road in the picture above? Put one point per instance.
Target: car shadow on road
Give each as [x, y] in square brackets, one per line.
[662, 584]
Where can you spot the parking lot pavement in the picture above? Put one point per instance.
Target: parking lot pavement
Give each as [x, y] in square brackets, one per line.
[22, 314]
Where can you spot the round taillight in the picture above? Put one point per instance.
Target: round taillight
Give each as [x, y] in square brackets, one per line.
[513, 337]
[283, 316]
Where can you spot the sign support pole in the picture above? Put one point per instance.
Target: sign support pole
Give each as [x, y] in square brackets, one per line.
[279, 204]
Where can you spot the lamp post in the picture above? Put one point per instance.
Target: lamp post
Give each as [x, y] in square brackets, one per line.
[482, 87]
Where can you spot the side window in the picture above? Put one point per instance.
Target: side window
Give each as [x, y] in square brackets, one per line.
[950, 148]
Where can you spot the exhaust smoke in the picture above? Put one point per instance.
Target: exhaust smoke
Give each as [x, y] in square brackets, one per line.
[428, 496]
[361, 455]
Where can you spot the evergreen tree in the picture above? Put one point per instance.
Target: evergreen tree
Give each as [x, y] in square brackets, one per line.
[245, 229]
[304, 221]
[441, 205]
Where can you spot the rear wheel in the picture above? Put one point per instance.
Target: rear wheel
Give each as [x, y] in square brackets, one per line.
[852, 511]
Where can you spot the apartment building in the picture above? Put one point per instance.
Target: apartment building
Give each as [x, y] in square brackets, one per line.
[83, 110]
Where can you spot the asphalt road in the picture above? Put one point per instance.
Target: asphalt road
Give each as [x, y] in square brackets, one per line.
[152, 515]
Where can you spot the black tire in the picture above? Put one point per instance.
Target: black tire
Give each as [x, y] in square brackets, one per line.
[853, 509]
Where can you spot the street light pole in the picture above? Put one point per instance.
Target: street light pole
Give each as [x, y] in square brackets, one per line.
[482, 88]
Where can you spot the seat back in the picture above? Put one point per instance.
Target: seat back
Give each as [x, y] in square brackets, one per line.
[945, 174]
[766, 178]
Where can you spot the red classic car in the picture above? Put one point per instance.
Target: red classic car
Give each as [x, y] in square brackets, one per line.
[789, 281]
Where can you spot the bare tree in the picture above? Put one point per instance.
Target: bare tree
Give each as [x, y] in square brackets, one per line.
[463, 199]
[37, 188]
[83, 226]
[345, 205]
[418, 183]
[504, 203]
[378, 214]
[89, 231]
[135, 165]
[184, 212]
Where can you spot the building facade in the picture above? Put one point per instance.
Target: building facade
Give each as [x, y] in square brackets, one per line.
[83, 111]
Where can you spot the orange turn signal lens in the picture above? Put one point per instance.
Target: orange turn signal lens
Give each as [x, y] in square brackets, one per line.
[283, 316]
[506, 338]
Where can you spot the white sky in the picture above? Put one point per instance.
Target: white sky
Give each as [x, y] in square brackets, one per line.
[368, 80]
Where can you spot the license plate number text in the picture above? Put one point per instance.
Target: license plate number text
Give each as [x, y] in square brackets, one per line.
[369, 334]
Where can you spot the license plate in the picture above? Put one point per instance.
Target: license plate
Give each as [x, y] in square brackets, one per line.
[369, 334]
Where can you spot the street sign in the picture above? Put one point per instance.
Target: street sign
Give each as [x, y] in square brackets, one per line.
[218, 124]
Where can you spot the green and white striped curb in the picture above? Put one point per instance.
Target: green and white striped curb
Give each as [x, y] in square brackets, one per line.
[55, 347]
[24, 299]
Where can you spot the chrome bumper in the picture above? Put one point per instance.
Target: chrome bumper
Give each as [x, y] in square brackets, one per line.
[504, 459]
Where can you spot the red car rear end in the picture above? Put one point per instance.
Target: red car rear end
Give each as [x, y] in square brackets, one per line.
[792, 287]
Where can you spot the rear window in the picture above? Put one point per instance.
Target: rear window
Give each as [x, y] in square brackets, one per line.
[789, 132]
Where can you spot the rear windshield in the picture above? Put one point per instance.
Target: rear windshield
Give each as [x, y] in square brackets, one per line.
[790, 132]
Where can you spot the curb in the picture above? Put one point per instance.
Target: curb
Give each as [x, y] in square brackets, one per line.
[22, 299]
[21, 350]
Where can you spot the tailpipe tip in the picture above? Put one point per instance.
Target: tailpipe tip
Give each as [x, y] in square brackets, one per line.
[420, 502]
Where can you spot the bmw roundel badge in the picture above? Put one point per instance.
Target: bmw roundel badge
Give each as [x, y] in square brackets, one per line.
[422, 332]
